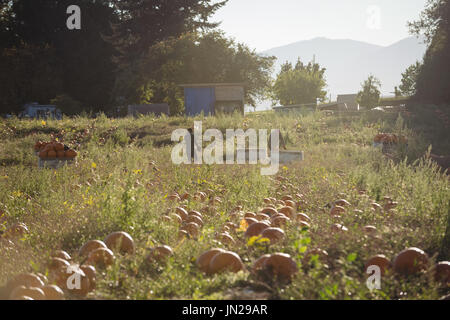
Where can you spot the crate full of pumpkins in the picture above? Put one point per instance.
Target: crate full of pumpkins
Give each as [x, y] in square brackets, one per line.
[54, 154]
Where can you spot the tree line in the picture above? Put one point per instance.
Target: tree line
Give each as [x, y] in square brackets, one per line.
[126, 52]
[139, 51]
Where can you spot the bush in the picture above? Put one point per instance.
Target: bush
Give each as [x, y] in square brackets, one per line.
[67, 104]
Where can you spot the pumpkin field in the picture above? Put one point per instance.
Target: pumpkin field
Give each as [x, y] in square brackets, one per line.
[135, 226]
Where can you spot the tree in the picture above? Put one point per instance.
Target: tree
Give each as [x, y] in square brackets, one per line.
[146, 22]
[194, 58]
[301, 84]
[409, 79]
[82, 58]
[369, 96]
[433, 80]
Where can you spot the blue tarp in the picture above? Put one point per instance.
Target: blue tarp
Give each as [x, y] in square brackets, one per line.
[198, 100]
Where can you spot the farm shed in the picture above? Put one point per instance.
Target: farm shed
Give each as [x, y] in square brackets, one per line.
[147, 109]
[348, 102]
[295, 108]
[213, 98]
[35, 110]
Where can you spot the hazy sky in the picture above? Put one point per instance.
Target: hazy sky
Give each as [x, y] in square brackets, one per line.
[264, 24]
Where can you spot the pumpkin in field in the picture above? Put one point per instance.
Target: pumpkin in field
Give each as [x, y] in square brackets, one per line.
[285, 198]
[75, 281]
[256, 229]
[58, 146]
[380, 261]
[280, 221]
[273, 234]
[303, 217]
[61, 254]
[262, 217]
[121, 242]
[60, 154]
[160, 253]
[71, 154]
[90, 272]
[195, 213]
[259, 263]
[250, 215]
[410, 261]
[90, 246]
[24, 279]
[288, 212]
[226, 261]
[204, 259]
[101, 257]
[193, 229]
[250, 221]
[181, 212]
[43, 154]
[53, 292]
[51, 154]
[32, 292]
[269, 211]
[225, 238]
[57, 265]
[371, 230]
[291, 203]
[442, 272]
[196, 219]
[281, 266]
[337, 210]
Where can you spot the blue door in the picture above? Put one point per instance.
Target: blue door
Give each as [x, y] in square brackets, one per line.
[198, 100]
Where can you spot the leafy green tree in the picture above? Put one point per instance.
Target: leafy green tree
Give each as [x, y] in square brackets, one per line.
[300, 84]
[369, 96]
[433, 80]
[82, 59]
[409, 79]
[67, 104]
[195, 58]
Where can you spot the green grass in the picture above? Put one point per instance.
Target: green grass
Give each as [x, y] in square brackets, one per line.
[115, 186]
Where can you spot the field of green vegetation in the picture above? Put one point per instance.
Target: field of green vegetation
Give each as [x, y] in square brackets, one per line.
[123, 179]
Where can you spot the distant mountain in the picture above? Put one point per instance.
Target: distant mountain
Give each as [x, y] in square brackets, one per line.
[349, 62]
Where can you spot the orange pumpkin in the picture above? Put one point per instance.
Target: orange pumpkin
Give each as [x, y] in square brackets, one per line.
[160, 253]
[121, 242]
[59, 146]
[259, 263]
[273, 234]
[90, 272]
[281, 266]
[53, 292]
[51, 154]
[61, 154]
[101, 257]
[43, 154]
[226, 261]
[90, 246]
[256, 229]
[204, 259]
[410, 261]
[70, 154]
[381, 261]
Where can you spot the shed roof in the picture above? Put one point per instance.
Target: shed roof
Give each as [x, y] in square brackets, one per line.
[207, 85]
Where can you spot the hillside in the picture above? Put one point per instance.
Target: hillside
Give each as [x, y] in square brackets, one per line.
[349, 62]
